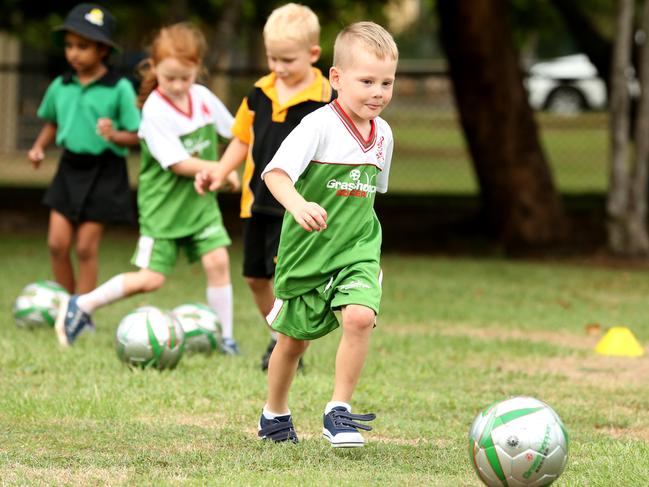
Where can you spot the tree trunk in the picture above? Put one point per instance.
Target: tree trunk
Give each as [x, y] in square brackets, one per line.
[618, 194]
[628, 231]
[519, 197]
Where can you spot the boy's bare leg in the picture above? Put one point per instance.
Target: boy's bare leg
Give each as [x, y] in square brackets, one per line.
[87, 248]
[358, 322]
[281, 371]
[262, 293]
[59, 241]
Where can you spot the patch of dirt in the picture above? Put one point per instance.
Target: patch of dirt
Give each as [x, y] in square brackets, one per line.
[570, 340]
[605, 372]
[636, 433]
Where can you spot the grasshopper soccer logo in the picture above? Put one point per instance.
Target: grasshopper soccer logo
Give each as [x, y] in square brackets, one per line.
[358, 184]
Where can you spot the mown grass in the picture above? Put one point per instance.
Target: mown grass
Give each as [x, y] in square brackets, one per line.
[430, 154]
[454, 335]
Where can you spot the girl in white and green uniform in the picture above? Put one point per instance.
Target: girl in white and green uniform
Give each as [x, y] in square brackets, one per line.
[180, 123]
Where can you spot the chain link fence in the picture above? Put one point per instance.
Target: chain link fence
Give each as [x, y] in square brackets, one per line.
[430, 154]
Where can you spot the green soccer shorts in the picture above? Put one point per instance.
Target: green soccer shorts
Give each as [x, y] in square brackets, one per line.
[311, 315]
[160, 254]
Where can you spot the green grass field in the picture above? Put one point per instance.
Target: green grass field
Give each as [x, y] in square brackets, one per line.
[430, 154]
[454, 335]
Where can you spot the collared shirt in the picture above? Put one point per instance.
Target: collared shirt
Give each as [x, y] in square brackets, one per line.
[263, 123]
[332, 164]
[168, 205]
[75, 109]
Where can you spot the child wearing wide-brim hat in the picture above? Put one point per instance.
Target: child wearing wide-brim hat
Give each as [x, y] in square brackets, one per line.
[90, 112]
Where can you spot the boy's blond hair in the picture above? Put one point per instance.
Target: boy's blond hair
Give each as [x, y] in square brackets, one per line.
[370, 36]
[293, 22]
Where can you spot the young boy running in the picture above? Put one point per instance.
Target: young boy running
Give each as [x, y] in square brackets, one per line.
[326, 174]
[272, 109]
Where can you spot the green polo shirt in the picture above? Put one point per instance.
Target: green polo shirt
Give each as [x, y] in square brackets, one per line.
[75, 109]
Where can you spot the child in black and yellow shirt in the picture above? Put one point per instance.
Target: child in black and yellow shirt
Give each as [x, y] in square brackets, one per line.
[91, 112]
[273, 108]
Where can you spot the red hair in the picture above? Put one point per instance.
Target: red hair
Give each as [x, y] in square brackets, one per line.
[182, 41]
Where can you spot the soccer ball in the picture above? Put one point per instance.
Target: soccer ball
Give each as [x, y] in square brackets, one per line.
[38, 304]
[149, 337]
[518, 442]
[201, 326]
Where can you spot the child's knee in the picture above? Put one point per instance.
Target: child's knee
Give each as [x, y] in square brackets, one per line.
[216, 263]
[86, 251]
[58, 248]
[291, 347]
[151, 281]
[358, 318]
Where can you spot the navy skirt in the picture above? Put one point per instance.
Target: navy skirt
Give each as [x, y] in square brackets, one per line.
[92, 188]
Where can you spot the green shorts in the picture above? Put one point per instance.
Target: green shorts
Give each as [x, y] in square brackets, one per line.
[160, 254]
[311, 315]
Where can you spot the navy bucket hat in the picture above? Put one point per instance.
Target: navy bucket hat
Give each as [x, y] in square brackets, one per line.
[90, 21]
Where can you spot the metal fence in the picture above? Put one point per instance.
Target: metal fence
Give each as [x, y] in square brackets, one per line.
[430, 153]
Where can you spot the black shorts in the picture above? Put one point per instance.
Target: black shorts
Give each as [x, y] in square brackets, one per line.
[92, 188]
[260, 244]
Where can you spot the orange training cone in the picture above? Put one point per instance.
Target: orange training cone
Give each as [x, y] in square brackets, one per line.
[621, 342]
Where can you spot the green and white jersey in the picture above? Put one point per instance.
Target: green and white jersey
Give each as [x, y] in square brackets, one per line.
[168, 205]
[331, 164]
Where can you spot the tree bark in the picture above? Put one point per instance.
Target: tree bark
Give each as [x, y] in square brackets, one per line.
[519, 197]
[638, 238]
[627, 197]
[618, 193]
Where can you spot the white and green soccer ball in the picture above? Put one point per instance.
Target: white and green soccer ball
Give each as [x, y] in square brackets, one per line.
[201, 326]
[150, 337]
[38, 304]
[518, 442]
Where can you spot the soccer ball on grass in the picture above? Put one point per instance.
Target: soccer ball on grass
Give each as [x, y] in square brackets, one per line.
[518, 442]
[149, 337]
[38, 304]
[201, 326]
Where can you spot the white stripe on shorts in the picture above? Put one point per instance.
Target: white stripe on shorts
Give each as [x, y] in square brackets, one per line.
[143, 252]
[277, 306]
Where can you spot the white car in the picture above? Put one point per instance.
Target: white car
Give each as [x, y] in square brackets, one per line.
[566, 85]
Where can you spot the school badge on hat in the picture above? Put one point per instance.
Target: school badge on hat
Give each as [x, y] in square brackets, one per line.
[90, 21]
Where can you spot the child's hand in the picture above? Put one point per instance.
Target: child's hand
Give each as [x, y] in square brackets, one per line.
[232, 182]
[36, 155]
[310, 216]
[207, 180]
[105, 128]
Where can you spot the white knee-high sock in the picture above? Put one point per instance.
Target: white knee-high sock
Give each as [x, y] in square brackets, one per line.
[108, 292]
[220, 300]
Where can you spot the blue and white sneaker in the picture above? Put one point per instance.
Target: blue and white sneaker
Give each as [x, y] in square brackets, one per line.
[278, 429]
[71, 321]
[229, 347]
[341, 427]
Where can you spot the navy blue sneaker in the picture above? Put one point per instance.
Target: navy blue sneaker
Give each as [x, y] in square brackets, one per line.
[229, 347]
[277, 429]
[71, 321]
[341, 427]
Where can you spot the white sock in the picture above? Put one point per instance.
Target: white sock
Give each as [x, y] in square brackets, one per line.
[332, 404]
[108, 292]
[270, 415]
[220, 300]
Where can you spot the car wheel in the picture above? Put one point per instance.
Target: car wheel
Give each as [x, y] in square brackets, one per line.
[565, 100]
